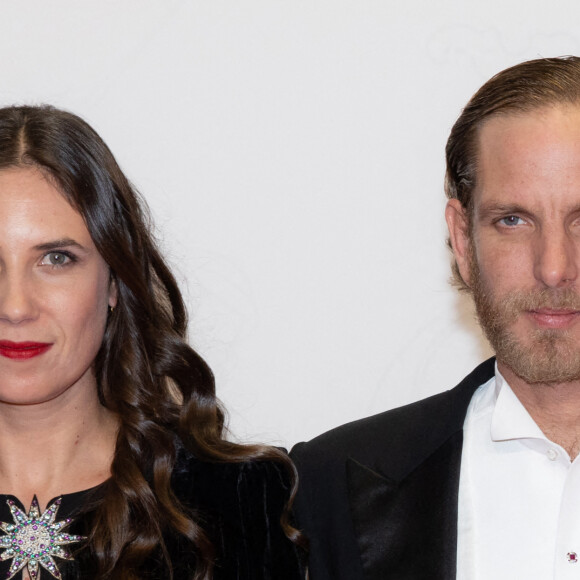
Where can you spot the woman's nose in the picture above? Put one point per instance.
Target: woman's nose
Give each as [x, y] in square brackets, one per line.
[18, 298]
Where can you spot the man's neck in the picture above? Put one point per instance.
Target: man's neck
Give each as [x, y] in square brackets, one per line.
[554, 407]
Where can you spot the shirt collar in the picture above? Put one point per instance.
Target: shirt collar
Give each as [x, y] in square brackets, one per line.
[510, 419]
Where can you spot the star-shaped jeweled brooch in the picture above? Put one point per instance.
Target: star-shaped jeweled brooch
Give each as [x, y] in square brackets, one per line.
[34, 538]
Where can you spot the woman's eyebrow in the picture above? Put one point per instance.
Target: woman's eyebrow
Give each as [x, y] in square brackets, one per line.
[55, 244]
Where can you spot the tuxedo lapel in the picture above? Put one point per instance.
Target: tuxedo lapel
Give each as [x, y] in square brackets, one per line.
[378, 497]
[403, 497]
[407, 529]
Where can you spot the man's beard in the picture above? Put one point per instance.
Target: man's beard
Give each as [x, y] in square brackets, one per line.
[548, 355]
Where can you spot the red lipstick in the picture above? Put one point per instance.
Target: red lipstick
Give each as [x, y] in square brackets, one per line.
[22, 350]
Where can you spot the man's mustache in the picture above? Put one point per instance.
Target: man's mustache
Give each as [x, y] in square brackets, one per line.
[499, 311]
[547, 298]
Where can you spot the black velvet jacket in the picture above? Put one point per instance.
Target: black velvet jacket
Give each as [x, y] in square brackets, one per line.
[238, 505]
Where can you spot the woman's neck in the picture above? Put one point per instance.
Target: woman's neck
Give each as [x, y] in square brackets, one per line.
[55, 447]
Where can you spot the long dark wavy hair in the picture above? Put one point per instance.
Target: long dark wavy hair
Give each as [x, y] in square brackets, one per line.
[147, 374]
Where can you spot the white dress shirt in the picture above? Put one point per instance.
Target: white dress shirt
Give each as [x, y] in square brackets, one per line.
[519, 495]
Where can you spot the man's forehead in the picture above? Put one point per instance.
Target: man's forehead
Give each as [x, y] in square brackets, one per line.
[531, 159]
[538, 149]
[515, 120]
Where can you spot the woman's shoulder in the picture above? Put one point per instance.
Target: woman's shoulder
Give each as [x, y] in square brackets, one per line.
[240, 505]
[214, 484]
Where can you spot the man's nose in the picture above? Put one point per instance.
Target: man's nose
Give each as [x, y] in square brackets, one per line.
[556, 258]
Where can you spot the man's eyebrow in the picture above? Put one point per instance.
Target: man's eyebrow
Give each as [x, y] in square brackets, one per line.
[58, 244]
[490, 210]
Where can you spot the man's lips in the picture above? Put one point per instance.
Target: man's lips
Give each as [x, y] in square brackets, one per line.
[554, 317]
[22, 350]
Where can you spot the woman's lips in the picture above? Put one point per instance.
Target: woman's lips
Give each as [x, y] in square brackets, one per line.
[554, 317]
[22, 350]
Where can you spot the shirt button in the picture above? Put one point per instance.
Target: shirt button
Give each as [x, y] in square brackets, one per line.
[552, 454]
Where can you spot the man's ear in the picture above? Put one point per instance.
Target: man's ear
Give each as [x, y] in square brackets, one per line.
[458, 225]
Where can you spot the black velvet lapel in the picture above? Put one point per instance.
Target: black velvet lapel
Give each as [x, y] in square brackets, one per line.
[408, 529]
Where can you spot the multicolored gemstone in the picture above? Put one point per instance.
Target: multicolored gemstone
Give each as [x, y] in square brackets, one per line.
[34, 539]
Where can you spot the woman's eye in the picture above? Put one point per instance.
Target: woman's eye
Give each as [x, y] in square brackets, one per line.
[511, 220]
[56, 259]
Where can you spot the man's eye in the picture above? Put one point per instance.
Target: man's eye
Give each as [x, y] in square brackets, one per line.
[511, 220]
[56, 259]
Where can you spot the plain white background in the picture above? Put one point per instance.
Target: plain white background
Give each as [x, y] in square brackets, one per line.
[291, 152]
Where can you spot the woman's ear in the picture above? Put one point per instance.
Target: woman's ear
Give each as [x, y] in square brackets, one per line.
[112, 292]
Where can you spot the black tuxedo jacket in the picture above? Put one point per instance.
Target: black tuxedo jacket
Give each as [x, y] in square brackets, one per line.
[378, 497]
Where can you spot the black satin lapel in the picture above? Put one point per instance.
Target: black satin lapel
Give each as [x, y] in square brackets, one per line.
[408, 530]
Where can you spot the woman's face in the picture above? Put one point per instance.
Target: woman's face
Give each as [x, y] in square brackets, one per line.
[55, 291]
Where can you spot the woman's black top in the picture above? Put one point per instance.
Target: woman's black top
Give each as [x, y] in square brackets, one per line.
[237, 504]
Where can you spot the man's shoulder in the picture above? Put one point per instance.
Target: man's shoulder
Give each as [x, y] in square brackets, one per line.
[382, 449]
[428, 422]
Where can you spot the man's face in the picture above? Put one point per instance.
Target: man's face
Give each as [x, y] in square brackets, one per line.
[521, 255]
